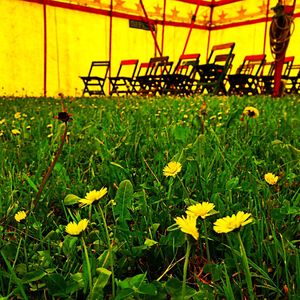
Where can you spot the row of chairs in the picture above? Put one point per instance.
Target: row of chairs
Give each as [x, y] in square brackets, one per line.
[160, 76]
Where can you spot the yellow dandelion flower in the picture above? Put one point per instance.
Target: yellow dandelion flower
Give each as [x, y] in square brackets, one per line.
[75, 229]
[202, 210]
[20, 215]
[18, 115]
[2, 121]
[93, 196]
[251, 112]
[15, 131]
[188, 225]
[172, 168]
[271, 179]
[28, 127]
[227, 224]
[1, 132]
[50, 135]
[49, 126]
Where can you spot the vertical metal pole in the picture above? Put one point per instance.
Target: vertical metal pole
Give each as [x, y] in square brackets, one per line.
[110, 40]
[45, 47]
[163, 28]
[209, 29]
[191, 28]
[150, 27]
[266, 27]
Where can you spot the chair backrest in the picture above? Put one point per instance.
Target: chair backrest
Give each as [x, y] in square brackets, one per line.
[144, 69]
[155, 61]
[186, 63]
[222, 49]
[287, 66]
[99, 69]
[252, 64]
[127, 68]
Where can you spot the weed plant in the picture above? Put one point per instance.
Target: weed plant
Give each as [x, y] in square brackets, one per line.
[124, 243]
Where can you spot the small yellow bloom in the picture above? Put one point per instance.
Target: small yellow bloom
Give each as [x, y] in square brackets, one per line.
[1, 132]
[172, 168]
[188, 225]
[251, 112]
[93, 196]
[28, 127]
[2, 121]
[200, 210]
[21, 215]
[18, 115]
[50, 135]
[227, 224]
[271, 178]
[75, 229]
[15, 131]
[49, 126]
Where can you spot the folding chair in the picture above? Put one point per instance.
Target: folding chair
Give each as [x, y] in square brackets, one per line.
[180, 81]
[148, 83]
[122, 82]
[247, 78]
[94, 85]
[292, 81]
[267, 81]
[211, 76]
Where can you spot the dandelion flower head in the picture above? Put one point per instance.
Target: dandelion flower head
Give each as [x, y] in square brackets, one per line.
[20, 215]
[227, 224]
[15, 131]
[251, 112]
[93, 196]
[75, 229]
[271, 179]
[172, 168]
[18, 115]
[200, 209]
[188, 225]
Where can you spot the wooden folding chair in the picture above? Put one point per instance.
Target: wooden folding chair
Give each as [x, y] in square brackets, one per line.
[122, 83]
[179, 82]
[149, 82]
[94, 84]
[246, 81]
[267, 81]
[212, 75]
[144, 69]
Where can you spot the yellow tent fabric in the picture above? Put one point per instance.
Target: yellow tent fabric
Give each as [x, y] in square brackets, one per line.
[47, 44]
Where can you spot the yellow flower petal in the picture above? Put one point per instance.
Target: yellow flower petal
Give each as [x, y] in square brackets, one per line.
[200, 210]
[92, 196]
[188, 225]
[75, 229]
[251, 112]
[271, 178]
[172, 169]
[21, 215]
[227, 224]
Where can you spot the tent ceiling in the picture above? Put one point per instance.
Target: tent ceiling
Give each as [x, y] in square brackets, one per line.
[211, 3]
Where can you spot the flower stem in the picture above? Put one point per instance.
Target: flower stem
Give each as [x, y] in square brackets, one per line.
[185, 266]
[246, 267]
[46, 176]
[206, 241]
[87, 264]
[109, 250]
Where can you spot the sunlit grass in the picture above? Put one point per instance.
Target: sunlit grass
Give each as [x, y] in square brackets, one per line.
[130, 248]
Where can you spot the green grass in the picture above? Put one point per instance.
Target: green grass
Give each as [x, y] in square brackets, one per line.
[130, 249]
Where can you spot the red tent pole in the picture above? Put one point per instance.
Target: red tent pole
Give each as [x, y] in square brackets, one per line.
[266, 27]
[150, 27]
[110, 39]
[45, 48]
[209, 28]
[163, 28]
[280, 55]
[191, 28]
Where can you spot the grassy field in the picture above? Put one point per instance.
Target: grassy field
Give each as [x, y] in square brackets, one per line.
[128, 244]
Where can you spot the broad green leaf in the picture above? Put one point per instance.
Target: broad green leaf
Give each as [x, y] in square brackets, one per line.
[123, 201]
[33, 276]
[150, 243]
[71, 199]
[56, 285]
[100, 283]
[30, 182]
